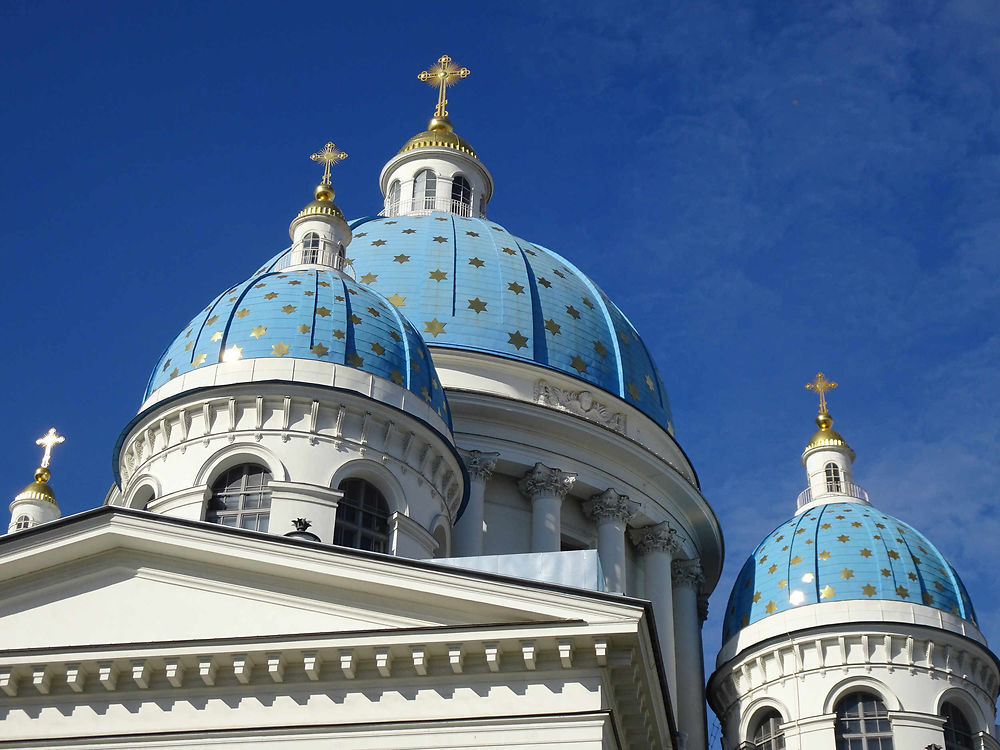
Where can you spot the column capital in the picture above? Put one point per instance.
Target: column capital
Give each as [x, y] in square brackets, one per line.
[610, 505]
[479, 463]
[687, 573]
[540, 480]
[660, 537]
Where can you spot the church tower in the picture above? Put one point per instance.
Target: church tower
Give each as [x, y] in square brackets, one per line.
[847, 628]
[36, 504]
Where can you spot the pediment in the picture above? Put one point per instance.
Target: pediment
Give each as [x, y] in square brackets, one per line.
[120, 576]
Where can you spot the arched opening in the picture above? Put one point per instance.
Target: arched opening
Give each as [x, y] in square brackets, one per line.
[863, 723]
[392, 200]
[424, 190]
[241, 498]
[143, 497]
[766, 733]
[441, 537]
[22, 522]
[957, 730]
[461, 196]
[362, 517]
[310, 248]
[833, 481]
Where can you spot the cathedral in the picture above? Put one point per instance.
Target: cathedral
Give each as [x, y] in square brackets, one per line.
[412, 483]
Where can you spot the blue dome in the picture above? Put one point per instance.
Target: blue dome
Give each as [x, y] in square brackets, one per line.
[309, 314]
[838, 552]
[468, 284]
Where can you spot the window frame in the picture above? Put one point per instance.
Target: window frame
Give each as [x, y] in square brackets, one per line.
[258, 510]
[363, 516]
[22, 522]
[311, 244]
[864, 738]
[425, 189]
[957, 738]
[393, 197]
[461, 183]
[834, 477]
[767, 734]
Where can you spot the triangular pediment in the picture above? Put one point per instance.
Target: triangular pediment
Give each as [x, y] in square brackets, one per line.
[114, 576]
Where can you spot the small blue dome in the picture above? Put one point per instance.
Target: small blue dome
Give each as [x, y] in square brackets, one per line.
[467, 283]
[309, 314]
[838, 552]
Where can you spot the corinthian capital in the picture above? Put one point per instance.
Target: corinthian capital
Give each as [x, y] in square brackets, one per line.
[687, 573]
[610, 506]
[659, 538]
[541, 480]
[480, 464]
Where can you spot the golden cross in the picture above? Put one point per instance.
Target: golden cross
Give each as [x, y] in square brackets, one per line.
[48, 440]
[443, 74]
[821, 385]
[329, 156]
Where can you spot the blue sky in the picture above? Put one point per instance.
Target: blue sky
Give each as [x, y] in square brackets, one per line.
[766, 189]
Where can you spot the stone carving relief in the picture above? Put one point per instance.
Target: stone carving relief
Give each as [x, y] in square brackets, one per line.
[581, 403]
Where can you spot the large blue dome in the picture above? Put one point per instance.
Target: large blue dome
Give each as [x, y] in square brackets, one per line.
[838, 552]
[311, 314]
[467, 283]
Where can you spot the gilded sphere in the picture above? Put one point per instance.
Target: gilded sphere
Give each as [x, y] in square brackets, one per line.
[324, 193]
[437, 124]
[42, 474]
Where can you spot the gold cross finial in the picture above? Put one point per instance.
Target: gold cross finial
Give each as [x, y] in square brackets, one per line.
[329, 156]
[48, 440]
[443, 74]
[821, 385]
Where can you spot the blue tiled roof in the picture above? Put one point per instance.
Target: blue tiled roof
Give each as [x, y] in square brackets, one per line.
[469, 284]
[307, 314]
[839, 552]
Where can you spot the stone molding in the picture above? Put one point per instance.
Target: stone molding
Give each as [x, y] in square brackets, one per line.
[661, 537]
[479, 463]
[581, 403]
[702, 607]
[687, 573]
[541, 481]
[610, 506]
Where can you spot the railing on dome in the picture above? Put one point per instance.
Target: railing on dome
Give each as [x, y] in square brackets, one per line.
[424, 206]
[325, 256]
[846, 488]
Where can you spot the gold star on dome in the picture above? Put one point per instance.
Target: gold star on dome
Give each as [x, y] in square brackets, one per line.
[552, 327]
[401, 258]
[600, 348]
[329, 156]
[911, 575]
[902, 592]
[440, 218]
[304, 328]
[650, 384]
[395, 336]
[232, 354]
[938, 586]
[558, 273]
[270, 295]
[198, 360]
[795, 560]
[360, 234]
[378, 243]
[288, 309]
[258, 331]
[280, 349]
[478, 305]
[843, 538]
[756, 597]
[397, 300]
[319, 350]
[259, 286]
[744, 621]
[826, 592]
[189, 346]
[294, 282]
[772, 569]
[517, 340]
[515, 287]
[771, 607]
[355, 361]
[865, 552]
[886, 572]
[323, 312]
[928, 598]
[425, 393]
[174, 373]
[545, 282]
[633, 391]
[587, 302]
[323, 283]
[166, 365]
[893, 554]
[868, 590]
[396, 377]
[510, 251]
[439, 238]
[578, 364]
[847, 574]
[782, 583]
[378, 348]
[242, 313]
[212, 321]
[338, 334]
[434, 327]
[473, 234]
[856, 524]
[880, 525]
[476, 262]
[438, 275]
[217, 336]
[800, 531]
[369, 278]
[407, 230]
[572, 312]
[762, 560]
[824, 526]
[355, 319]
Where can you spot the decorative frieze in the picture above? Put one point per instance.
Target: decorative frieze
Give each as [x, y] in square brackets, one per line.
[581, 403]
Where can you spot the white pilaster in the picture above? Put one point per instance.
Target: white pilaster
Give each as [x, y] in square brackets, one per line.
[687, 579]
[469, 531]
[611, 512]
[546, 489]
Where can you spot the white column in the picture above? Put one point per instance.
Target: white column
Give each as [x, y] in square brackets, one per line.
[687, 579]
[469, 531]
[546, 489]
[611, 512]
[658, 544]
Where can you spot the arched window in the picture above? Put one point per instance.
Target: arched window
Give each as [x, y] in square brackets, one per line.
[362, 517]
[957, 731]
[22, 522]
[863, 723]
[461, 196]
[310, 248]
[241, 498]
[833, 483]
[767, 735]
[424, 190]
[392, 204]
